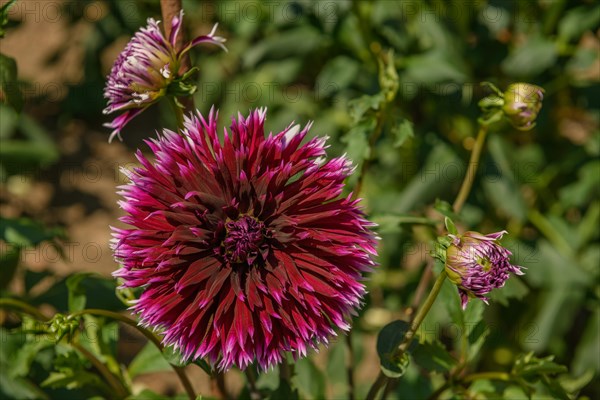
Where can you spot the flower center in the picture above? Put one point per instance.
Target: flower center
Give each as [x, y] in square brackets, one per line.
[243, 240]
[485, 263]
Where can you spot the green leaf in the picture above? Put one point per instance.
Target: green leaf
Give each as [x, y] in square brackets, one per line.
[89, 289]
[19, 388]
[502, 190]
[72, 372]
[588, 348]
[174, 357]
[293, 42]
[24, 358]
[578, 20]
[514, 288]
[555, 388]
[148, 394]
[337, 74]
[336, 376]
[439, 174]
[585, 188]
[360, 106]
[402, 132]
[9, 260]
[20, 156]
[444, 208]
[530, 366]
[32, 278]
[357, 143]
[532, 58]
[477, 336]
[149, 359]
[388, 340]
[433, 356]
[4, 16]
[434, 67]
[309, 380]
[573, 385]
[24, 232]
[284, 391]
[77, 294]
[450, 227]
[8, 82]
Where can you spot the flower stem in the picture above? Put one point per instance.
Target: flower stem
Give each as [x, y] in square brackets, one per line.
[350, 366]
[177, 110]
[189, 389]
[170, 9]
[251, 378]
[496, 376]
[467, 183]
[120, 391]
[24, 307]
[410, 334]
[221, 388]
[416, 323]
[377, 386]
[366, 164]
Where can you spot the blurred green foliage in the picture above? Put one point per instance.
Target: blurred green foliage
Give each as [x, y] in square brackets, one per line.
[395, 85]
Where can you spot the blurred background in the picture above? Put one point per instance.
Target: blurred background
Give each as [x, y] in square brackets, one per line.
[320, 61]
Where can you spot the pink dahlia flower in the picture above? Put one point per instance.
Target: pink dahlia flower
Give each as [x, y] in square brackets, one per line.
[244, 247]
[143, 71]
[477, 264]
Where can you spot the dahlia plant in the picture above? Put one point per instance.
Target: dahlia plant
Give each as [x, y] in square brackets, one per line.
[244, 249]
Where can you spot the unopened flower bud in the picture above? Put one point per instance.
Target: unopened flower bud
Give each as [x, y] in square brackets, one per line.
[477, 263]
[522, 103]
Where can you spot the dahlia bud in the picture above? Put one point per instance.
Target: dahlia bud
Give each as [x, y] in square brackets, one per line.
[147, 70]
[477, 263]
[522, 103]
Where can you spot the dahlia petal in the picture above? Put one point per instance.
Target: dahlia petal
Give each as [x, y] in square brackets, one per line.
[175, 27]
[119, 122]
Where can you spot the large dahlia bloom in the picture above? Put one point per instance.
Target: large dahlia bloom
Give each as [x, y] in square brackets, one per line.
[144, 70]
[477, 264]
[244, 247]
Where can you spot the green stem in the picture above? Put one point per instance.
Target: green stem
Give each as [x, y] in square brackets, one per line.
[546, 228]
[379, 383]
[367, 162]
[467, 183]
[221, 387]
[496, 376]
[24, 307]
[350, 366]
[177, 110]
[122, 318]
[189, 389]
[253, 389]
[434, 396]
[119, 389]
[416, 221]
[410, 334]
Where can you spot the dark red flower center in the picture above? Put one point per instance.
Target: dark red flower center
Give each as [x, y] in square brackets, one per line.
[244, 239]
